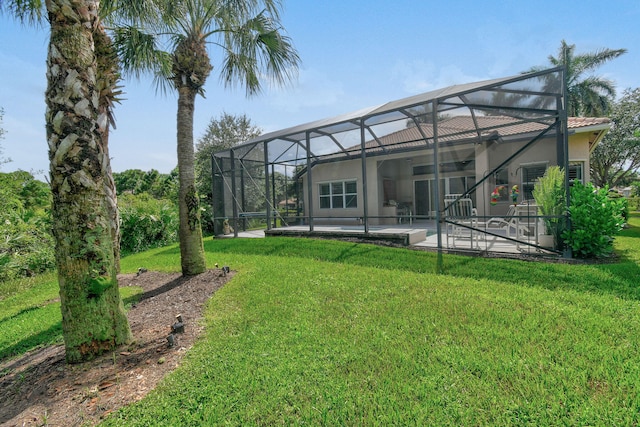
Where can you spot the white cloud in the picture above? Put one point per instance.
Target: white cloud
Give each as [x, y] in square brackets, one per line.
[313, 89]
[419, 76]
[511, 49]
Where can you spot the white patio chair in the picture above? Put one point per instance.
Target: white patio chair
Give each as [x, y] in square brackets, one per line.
[509, 223]
[462, 219]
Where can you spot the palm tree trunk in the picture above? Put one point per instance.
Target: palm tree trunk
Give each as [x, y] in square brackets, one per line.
[93, 317]
[108, 75]
[191, 247]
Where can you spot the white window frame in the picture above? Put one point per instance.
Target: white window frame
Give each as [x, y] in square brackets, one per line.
[333, 196]
[581, 164]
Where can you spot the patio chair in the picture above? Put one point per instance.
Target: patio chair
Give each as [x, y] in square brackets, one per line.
[462, 219]
[521, 222]
[509, 223]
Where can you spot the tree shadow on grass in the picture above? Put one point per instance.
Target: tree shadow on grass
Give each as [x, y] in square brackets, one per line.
[54, 333]
[42, 338]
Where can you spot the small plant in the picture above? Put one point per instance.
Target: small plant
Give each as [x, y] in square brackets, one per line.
[595, 220]
[550, 196]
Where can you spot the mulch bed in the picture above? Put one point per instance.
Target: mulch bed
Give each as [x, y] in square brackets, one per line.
[40, 388]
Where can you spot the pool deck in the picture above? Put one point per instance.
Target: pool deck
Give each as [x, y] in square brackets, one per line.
[416, 236]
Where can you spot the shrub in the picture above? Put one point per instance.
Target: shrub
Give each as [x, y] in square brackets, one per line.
[26, 246]
[624, 204]
[26, 249]
[206, 217]
[146, 223]
[595, 220]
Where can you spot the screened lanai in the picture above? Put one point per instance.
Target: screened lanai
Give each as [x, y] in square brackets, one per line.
[453, 168]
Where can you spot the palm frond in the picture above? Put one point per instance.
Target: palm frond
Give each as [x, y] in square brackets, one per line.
[587, 95]
[28, 12]
[139, 52]
[591, 61]
[139, 13]
[256, 48]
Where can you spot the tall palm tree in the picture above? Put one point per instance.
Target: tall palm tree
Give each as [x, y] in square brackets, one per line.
[109, 90]
[251, 44]
[588, 94]
[93, 318]
[33, 13]
[107, 77]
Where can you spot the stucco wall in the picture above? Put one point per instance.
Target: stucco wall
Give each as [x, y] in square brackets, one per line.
[488, 155]
[579, 152]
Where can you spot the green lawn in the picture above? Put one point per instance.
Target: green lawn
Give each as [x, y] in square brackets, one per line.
[316, 332]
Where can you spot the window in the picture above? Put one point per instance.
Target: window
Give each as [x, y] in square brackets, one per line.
[530, 174]
[338, 195]
[575, 172]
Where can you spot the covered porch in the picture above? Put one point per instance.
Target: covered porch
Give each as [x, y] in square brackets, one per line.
[406, 167]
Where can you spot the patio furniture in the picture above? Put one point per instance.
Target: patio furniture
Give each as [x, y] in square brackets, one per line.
[521, 222]
[526, 222]
[461, 220]
[510, 223]
[404, 213]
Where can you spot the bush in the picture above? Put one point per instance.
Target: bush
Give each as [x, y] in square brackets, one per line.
[26, 246]
[206, 217]
[146, 223]
[595, 220]
[624, 204]
[26, 249]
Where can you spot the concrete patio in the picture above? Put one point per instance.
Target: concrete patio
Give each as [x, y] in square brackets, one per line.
[419, 236]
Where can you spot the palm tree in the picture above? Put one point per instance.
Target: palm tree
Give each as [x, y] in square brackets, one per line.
[93, 317]
[107, 77]
[251, 43]
[32, 12]
[588, 94]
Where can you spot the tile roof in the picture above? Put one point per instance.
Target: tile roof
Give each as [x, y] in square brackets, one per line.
[578, 122]
[463, 128]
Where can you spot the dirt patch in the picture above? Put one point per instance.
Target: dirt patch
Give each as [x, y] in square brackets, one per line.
[40, 388]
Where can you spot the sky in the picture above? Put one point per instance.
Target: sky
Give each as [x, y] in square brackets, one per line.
[354, 54]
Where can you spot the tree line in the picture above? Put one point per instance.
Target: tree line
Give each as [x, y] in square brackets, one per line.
[147, 204]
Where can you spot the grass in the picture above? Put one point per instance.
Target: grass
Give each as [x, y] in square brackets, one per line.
[332, 333]
[30, 314]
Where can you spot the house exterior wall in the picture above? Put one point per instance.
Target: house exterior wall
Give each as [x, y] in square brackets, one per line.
[490, 155]
[579, 144]
[398, 168]
[333, 172]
